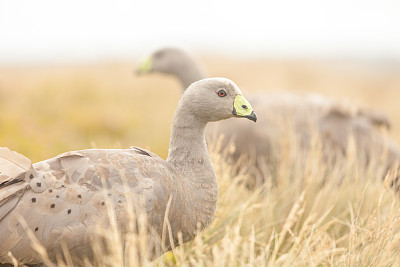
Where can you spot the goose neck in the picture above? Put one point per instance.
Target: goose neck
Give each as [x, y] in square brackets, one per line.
[187, 144]
[196, 183]
[189, 73]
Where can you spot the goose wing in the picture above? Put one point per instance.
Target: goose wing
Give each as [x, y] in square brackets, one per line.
[63, 198]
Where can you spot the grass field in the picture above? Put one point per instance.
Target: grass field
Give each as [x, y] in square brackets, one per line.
[47, 110]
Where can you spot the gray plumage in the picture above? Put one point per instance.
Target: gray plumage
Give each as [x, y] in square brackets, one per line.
[63, 199]
[288, 114]
[175, 62]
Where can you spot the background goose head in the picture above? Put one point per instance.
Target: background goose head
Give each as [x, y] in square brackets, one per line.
[173, 61]
[215, 99]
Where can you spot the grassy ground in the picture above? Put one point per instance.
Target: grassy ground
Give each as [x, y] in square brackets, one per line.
[351, 220]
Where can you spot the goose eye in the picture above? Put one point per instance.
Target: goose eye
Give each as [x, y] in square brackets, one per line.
[221, 93]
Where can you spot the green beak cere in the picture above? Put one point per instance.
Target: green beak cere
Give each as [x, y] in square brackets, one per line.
[242, 108]
[145, 66]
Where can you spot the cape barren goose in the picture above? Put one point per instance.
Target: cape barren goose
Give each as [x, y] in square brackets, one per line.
[63, 199]
[286, 115]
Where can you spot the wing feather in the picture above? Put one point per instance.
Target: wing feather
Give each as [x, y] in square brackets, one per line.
[12, 164]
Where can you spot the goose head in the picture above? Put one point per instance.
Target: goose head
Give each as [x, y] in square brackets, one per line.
[216, 99]
[166, 60]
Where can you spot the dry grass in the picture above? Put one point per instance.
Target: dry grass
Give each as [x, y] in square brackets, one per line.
[352, 219]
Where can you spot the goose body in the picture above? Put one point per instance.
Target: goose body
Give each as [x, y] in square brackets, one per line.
[284, 114]
[63, 199]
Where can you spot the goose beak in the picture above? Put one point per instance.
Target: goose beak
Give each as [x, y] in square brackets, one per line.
[145, 66]
[242, 108]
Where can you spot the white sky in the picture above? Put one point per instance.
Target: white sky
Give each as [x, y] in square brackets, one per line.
[85, 30]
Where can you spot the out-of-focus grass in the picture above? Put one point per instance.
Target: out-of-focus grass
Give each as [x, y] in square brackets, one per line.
[45, 111]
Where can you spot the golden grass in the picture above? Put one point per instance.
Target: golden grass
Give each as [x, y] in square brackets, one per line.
[352, 219]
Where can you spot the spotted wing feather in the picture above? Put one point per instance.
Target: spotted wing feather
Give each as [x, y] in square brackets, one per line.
[65, 199]
[12, 164]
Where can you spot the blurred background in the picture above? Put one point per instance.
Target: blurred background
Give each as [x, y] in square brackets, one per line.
[67, 67]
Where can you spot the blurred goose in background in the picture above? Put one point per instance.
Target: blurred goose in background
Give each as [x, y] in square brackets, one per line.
[286, 119]
[63, 199]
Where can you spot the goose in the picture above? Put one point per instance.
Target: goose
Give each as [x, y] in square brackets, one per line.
[62, 199]
[285, 114]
